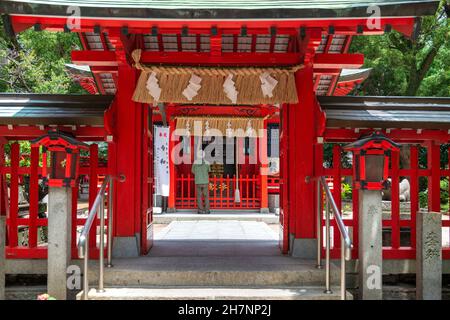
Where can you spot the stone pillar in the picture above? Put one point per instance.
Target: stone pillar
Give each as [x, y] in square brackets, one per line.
[370, 245]
[59, 240]
[2, 256]
[428, 255]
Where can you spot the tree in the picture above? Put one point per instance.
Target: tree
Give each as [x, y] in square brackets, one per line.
[34, 62]
[408, 66]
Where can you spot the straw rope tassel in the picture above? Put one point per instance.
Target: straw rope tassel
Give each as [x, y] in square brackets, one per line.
[174, 79]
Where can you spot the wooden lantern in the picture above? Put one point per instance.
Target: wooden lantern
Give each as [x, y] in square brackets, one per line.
[63, 150]
[371, 161]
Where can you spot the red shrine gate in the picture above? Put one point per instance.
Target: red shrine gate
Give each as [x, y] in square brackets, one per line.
[319, 46]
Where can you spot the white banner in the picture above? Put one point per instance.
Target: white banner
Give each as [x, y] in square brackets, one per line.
[162, 173]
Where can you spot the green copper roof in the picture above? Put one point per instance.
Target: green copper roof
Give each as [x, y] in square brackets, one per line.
[221, 9]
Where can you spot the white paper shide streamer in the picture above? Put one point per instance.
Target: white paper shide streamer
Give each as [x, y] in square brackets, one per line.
[268, 83]
[153, 86]
[192, 89]
[230, 89]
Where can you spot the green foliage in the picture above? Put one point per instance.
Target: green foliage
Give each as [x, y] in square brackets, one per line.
[328, 156]
[346, 192]
[444, 191]
[423, 198]
[403, 66]
[34, 62]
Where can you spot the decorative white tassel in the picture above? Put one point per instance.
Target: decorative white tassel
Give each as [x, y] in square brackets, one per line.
[230, 89]
[268, 83]
[192, 89]
[153, 86]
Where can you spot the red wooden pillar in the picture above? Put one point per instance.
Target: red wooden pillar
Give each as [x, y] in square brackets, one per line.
[264, 170]
[414, 192]
[13, 197]
[434, 188]
[284, 183]
[395, 199]
[301, 144]
[4, 208]
[34, 193]
[128, 155]
[93, 183]
[172, 170]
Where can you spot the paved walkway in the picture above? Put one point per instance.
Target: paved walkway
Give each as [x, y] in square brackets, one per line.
[216, 238]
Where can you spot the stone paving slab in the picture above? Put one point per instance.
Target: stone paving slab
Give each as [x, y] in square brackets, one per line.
[243, 293]
[216, 215]
[217, 230]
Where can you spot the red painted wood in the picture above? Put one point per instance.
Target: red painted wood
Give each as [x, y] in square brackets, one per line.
[13, 197]
[414, 191]
[264, 170]
[341, 60]
[224, 199]
[34, 193]
[172, 168]
[399, 135]
[434, 188]
[284, 176]
[355, 221]
[32, 132]
[197, 26]
[395, 203]
[301, 143]
[93, 189]
[126, 151]
[95, 58]
[337, 179]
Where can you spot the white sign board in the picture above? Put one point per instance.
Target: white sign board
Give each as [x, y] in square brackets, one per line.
[162, 173]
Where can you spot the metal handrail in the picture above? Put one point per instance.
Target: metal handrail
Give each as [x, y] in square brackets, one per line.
[98, 208]
[346, 242]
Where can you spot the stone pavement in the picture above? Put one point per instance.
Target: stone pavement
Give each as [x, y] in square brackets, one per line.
[216, 238]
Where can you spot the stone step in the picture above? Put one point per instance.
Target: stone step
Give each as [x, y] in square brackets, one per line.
[216, 215]
[214, 293]
[214, 271]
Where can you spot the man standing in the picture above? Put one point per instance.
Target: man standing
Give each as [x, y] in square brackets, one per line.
[201, 170]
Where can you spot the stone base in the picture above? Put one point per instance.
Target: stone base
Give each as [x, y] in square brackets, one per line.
[126, 247]
[59, 241]
[302, 248]
[157, 201]
[274, 202]
[171, 210]
[264, 210]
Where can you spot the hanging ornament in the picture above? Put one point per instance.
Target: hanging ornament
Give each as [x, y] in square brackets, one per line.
[229, 130]
[249, 130]
[207, 128]
[187, 139]
[268, 83]
[153, 87]
[192, 89]
[230, 89]
[188, 129]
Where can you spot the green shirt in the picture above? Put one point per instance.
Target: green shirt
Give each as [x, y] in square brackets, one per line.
[201, 173]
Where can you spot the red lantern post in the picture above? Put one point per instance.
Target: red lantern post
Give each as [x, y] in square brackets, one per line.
[371, 161]
[63, 151]
[370, 173]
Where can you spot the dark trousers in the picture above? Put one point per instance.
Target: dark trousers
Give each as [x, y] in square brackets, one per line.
[202, 192]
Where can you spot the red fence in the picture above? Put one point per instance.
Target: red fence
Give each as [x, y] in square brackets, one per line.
[273, 185]
[399, 236]
[221, 192]
[26, 224]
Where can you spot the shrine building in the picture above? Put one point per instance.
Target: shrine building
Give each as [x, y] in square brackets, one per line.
[266, 82]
